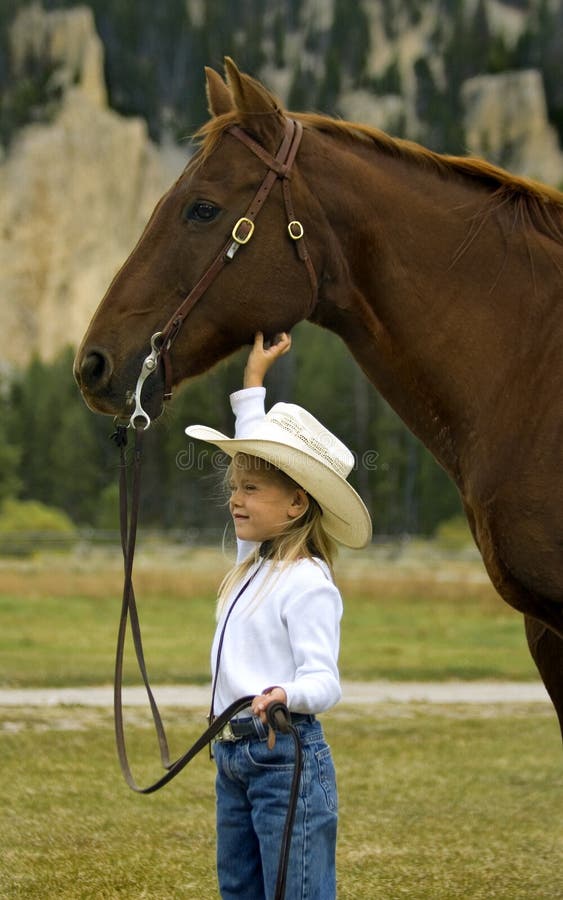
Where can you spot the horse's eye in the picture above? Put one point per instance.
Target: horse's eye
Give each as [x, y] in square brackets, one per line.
[201, 211]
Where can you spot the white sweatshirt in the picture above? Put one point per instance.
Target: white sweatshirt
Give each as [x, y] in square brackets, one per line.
[288, 636]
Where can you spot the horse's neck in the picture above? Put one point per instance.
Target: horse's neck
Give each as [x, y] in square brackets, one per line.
[424, 322]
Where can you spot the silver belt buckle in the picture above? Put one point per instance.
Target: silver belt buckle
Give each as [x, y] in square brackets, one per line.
[226, 733]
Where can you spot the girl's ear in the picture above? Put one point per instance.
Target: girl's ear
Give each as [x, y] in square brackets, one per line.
[299, 504]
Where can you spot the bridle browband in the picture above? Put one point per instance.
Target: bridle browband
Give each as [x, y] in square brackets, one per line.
[279, 168]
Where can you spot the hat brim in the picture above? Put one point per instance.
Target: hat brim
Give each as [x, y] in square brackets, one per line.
[345, 517]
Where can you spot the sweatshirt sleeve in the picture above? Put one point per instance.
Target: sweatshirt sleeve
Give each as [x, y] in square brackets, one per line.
[249, 410]
[312, 618]
[248, 407]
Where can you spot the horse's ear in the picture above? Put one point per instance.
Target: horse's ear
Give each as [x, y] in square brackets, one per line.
[260, 112]
[219, 97]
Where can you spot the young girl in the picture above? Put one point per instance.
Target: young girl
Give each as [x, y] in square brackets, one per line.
[278, 637]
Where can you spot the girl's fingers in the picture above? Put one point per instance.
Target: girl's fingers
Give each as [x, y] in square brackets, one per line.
[281, 343]
[287, 343]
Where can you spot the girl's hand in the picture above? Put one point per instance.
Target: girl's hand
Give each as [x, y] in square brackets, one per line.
[262, 701]
[261, 358]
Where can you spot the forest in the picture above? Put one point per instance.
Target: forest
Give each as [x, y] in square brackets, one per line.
[55, 451]
[155, 53]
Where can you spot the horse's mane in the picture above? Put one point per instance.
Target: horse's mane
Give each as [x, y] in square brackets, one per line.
[534, 203]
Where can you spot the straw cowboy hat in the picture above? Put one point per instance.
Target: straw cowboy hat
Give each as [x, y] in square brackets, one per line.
[294, 441]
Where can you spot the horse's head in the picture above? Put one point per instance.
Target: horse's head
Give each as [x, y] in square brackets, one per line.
[264, 286]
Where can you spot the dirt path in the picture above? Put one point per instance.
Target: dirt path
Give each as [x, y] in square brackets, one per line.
[354, 693]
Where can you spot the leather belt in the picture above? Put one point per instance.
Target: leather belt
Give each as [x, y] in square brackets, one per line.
[252, 727]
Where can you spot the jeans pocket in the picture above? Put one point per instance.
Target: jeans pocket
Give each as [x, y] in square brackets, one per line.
[281, 757]
[327, 777]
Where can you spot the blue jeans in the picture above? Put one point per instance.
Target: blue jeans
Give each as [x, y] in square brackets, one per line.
[253, 787]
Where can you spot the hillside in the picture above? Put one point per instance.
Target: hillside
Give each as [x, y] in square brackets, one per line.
[95, 100]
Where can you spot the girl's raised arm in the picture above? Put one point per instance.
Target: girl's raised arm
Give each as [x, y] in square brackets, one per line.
[261, 358]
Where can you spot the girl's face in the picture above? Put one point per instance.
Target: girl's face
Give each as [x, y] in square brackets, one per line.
[263, 501]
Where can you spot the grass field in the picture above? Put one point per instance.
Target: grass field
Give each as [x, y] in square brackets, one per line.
[412, 619]
[435, 803]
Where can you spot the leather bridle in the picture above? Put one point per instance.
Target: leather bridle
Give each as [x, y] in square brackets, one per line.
[279, 167]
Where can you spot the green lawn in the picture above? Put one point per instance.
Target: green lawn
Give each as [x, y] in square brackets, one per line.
[58, 622]
[435, 803]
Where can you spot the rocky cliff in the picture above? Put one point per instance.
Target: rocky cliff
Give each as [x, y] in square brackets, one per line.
[506, 122]
[78, 184]
[75, 193]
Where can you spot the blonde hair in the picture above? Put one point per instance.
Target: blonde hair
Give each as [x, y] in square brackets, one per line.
[301, 538]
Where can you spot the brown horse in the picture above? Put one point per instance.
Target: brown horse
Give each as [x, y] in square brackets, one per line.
[442, 274]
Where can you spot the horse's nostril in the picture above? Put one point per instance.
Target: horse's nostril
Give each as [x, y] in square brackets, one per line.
[94, 370]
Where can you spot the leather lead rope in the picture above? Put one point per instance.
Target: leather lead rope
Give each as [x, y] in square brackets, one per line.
[129, 519]
[211, 715]
[128, 530]
[279, 718]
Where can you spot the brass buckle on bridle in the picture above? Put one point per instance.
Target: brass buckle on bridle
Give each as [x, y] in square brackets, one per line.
[244, 220]
[238, 240]
[295, 230]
